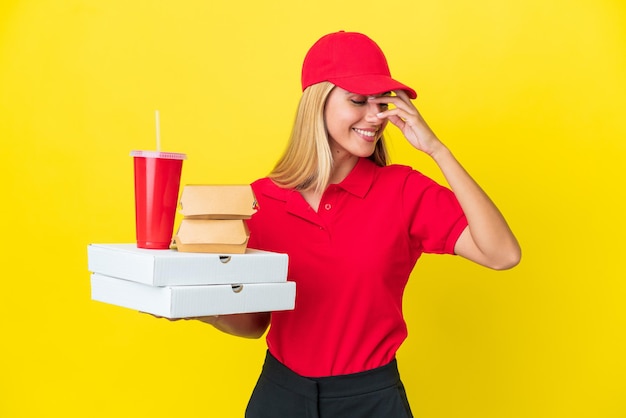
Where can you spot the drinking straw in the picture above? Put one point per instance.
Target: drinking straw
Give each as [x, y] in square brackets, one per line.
[158, 131]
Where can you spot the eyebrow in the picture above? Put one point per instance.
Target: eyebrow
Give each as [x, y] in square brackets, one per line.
[387, 93]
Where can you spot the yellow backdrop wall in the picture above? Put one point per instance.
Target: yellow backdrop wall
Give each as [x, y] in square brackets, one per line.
[528, 94]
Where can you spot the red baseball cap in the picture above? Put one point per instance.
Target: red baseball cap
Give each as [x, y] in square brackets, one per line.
[351, 61]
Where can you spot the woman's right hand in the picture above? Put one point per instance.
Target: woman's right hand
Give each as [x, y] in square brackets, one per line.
[246, 325]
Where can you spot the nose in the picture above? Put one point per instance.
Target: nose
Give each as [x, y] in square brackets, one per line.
[370, 114]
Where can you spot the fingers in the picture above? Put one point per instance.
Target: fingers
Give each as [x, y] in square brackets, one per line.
[403, 115]
[397, 115]
[397, 121]
[403, 95]
[165, 317]
[400, 101]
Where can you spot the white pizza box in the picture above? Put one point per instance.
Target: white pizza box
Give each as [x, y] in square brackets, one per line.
[193, 301]
[174, 268]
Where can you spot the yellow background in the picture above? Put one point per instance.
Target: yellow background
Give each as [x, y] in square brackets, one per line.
[530, 95]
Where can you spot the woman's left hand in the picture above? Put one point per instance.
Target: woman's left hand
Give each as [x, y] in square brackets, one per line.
[408, 119]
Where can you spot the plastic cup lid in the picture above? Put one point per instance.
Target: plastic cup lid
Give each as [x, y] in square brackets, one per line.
[159, 154]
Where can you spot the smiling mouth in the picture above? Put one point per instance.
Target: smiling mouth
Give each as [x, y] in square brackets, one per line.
[367, 133]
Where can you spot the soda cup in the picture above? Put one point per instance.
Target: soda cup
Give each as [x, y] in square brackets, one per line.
[157, 182]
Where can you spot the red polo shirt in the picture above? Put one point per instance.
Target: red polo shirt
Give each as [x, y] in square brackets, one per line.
[351, 261]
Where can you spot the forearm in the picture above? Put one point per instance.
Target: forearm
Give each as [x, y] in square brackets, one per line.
[488, 239]
[492, 242]
[250, 325]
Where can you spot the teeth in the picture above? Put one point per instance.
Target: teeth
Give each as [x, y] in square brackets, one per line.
[366, 133]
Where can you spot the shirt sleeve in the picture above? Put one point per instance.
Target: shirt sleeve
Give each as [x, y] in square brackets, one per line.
[433, 214]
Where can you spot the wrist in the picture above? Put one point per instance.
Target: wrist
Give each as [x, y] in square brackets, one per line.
[440, 153]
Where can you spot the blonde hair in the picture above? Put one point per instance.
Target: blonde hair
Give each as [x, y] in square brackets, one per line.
[307, 161]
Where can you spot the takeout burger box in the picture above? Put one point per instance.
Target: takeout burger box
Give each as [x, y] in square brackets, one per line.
[214, 219]
[175, 284]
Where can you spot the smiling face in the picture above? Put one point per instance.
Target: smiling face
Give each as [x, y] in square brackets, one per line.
[352, 125]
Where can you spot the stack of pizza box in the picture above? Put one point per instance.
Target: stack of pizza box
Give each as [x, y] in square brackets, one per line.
[208, 271]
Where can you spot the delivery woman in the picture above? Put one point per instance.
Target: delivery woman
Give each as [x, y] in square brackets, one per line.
[354, 226]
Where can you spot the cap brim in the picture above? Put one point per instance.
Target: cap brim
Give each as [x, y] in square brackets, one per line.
[371, 84]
